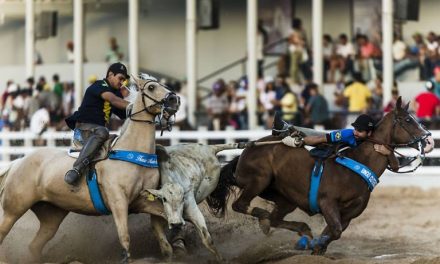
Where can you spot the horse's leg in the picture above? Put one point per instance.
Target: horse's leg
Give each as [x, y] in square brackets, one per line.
[282, 208]
[250, 191]
[159, 224]
[177, 239]
[337, 221]
[119, 209]
[50, 218]
[193, 214]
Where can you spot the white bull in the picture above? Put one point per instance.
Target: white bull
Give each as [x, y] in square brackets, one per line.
[188, 176]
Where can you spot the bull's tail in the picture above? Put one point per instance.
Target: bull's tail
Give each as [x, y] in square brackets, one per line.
[4, 170]
[218, 199]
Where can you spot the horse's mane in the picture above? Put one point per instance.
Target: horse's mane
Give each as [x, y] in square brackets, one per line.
[133, 92]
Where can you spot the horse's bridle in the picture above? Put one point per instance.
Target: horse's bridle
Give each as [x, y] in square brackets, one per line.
[163, 104]
[415, 140]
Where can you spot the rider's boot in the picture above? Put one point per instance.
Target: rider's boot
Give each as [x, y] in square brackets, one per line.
[280, 127]
[72, 176]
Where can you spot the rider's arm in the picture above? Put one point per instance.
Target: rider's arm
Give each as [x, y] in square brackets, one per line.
[114, 100]
[315, 140]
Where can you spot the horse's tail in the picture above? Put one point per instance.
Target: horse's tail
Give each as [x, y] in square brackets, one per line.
[218, 199]
[219, 147]
[4, 170]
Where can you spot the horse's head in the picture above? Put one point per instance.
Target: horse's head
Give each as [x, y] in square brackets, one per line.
[172, 197]
[155, 98]
[407, 132]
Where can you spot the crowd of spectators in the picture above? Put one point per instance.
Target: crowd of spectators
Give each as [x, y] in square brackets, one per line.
[344, 57]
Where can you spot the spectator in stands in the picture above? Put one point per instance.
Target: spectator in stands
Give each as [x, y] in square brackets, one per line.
[375, 102]
[298, 55]
[237, 106]
[70, 55]
[114, 54]
[432, 43]
[436, 81]
[39, 123]
[427, 105]
[402, 62]
[68, 99]
[328, 52]
[267, 97]
[419, 52]
[289, 107]
[316, 109]
[218, 106]
[57, 86]
[392, 104]
[30, 84]
[343, 60]
[366, 53]
[182, 115]
[357, 94]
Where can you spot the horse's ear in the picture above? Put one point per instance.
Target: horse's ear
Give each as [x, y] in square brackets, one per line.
[406, 107]
[399, 103]
[136, 80]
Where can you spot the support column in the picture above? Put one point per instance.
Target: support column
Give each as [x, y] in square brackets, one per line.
[191, 60]
[30, 38]
[387, 46]
[318, 67]
[133, 36]
[78, 39]
[252, 7]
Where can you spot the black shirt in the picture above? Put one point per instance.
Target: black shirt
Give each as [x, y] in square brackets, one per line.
[94, 109]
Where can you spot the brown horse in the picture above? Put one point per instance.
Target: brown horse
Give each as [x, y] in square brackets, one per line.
[282, 174]
[36, 182]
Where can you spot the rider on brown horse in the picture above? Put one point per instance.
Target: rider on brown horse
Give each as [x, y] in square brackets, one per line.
[363, 128]
[101, 99]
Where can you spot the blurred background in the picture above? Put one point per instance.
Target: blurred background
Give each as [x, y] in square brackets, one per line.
[234, 63]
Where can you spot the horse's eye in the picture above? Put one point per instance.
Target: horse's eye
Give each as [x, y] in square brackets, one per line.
[151, 87]
[408, 119]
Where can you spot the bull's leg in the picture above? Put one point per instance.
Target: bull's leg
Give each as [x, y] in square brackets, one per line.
[50, 218]
[159, 225]
[193, 214]
[119, 210]
[282, 208]
[250, 191]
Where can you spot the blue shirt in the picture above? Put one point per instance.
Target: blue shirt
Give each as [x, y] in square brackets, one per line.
[343, 136]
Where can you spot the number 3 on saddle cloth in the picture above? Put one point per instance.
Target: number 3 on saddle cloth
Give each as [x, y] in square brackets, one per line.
[320, 154]
[138, 158]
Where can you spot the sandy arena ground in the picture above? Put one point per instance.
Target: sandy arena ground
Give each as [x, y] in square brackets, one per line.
[400, 225]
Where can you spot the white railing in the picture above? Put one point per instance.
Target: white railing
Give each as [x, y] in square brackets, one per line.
[202, 135]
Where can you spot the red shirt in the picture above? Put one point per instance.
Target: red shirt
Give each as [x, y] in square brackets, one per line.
[427, 103]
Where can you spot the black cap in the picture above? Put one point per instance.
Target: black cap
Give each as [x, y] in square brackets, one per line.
[364, 123]
[118, 68]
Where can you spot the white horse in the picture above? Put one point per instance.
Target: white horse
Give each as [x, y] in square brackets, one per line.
[189, 174]
[36, 182]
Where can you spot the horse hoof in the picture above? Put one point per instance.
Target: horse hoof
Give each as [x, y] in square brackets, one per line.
[265, 225]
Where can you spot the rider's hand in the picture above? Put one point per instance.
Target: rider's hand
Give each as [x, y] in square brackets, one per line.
[382, 149]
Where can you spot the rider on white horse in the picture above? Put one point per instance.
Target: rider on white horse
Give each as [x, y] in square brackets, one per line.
[101, 99]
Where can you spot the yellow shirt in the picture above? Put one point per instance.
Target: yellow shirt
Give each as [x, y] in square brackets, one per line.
[289, 105]
[357, 94]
